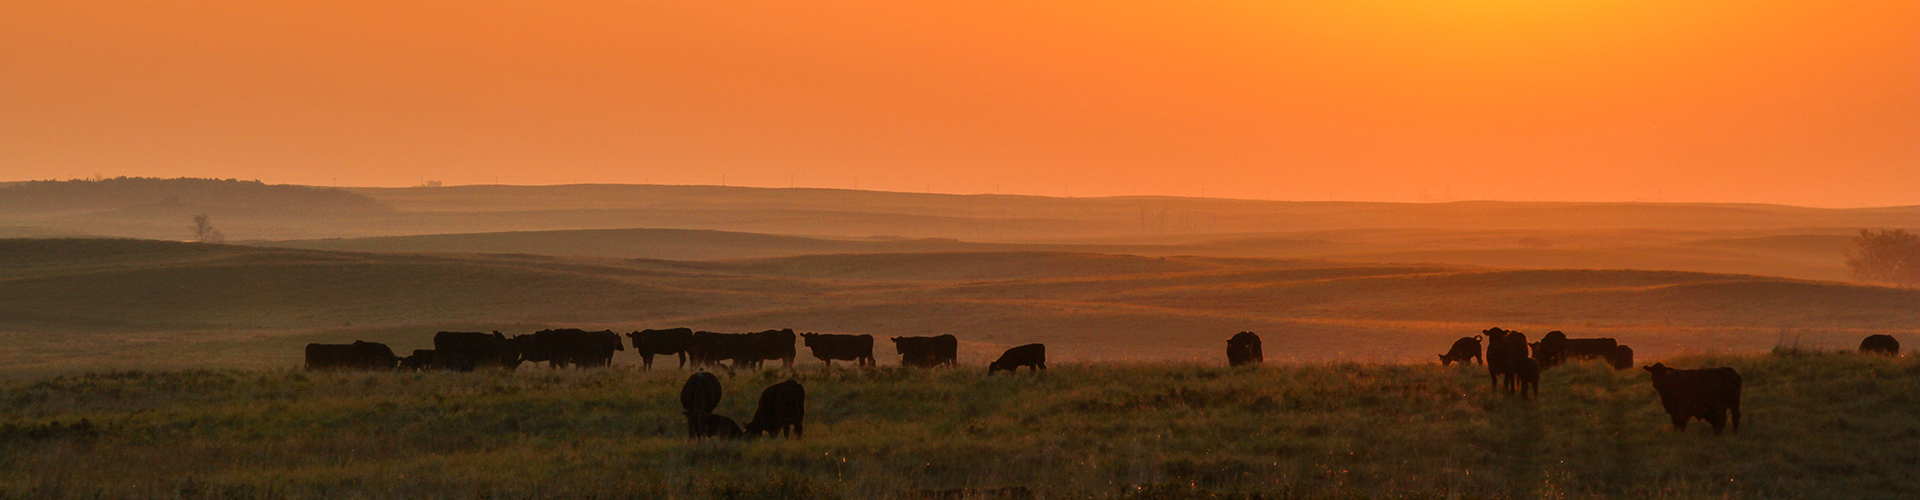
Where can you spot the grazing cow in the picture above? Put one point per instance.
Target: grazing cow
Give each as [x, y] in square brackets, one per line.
[829, 347]
[648, 343]
[773, 344]
[1505, 349]
[356, 356]
[1244, 349]
[1465, 350]
[1880, 344]
[783, 408]
[712, 426]
[570, 346]
[1556, 349]
[421, 359]
[1621, 358]
[709, 349]
[927, 352]
[467, 351]
[1529, 373]
[1709, 394]
[1033, 355]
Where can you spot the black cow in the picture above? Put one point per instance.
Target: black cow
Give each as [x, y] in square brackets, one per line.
[1244, 349]
[1007, 493]
[701, 394]
[1709, 394]
[1880, 344]
[710, 349]
[771, 345]
[1034, 355]
[422, 359]
[710, 425]
[1505, 350]
[1621, 358]
[467, 351]
[1529, 374]
[927, 352]
[783, 407]
[1465, 350]
[698, 397]
[356, 356]
[648, 343]
[1556, 349]
[569, 346]
[829, 347]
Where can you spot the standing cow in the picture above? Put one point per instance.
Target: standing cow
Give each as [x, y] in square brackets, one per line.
[1505, 350]
[927, 352]
[709, 349]
[1880, 344]
[648, 343]
[1032, 355]
[783, 408]
[1621, 357]
[829, 347]
[1710, 394]
[1465, 350]
[698, 397]
[1244, 349]
[467, 351]
[773, 344]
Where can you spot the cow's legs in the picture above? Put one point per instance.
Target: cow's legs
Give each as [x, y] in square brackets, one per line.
[1735, 410]
[646, 362]
[1718, 421]
[1680, 423]
[683, 359]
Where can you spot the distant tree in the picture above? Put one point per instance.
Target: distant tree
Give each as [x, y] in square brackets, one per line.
[203, 230]
[1886, 255]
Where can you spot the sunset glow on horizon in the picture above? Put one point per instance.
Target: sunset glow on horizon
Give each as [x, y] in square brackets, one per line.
[1793, 102]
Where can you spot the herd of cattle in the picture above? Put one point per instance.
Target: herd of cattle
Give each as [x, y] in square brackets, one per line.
[1710, 394]
[467, 351]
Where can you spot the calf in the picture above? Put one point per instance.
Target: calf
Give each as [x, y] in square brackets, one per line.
[1529, 373]
[1710, 394]
[783, 407]
[1033, 355]
[927, 352]
[421, 359]
[356, 356]
[1465, 350]
[648, 343]
[1244, 349]
[829, 347]
[712, 426]
[1880, 344]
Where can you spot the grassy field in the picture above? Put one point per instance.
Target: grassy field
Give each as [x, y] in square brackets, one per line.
[77, 305]
[1817, 425]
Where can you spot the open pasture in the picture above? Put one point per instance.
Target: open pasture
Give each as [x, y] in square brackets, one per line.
[1818, 425]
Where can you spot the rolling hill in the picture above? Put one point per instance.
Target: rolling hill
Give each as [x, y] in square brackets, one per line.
[85, 303]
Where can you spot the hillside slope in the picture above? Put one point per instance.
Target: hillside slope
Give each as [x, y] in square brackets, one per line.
[81, 302]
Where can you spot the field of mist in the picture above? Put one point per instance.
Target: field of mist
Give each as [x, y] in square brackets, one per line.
[95, 277]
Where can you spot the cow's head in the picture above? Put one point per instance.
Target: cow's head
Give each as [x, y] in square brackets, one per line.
[1659, 370]
[807, 338]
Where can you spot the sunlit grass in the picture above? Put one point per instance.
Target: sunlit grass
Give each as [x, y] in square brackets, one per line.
[1818, 425]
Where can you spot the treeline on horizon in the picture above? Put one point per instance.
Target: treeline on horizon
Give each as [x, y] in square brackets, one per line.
[54, 196]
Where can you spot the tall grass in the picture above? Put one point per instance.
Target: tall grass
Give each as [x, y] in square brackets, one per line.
[1817, 426]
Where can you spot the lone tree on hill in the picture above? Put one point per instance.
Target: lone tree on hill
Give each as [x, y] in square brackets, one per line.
[203, 230]
[1886, 255]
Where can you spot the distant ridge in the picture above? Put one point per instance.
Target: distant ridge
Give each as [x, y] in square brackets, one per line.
[41, 197]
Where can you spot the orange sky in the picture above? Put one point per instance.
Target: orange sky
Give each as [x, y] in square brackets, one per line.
[1800, 102]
